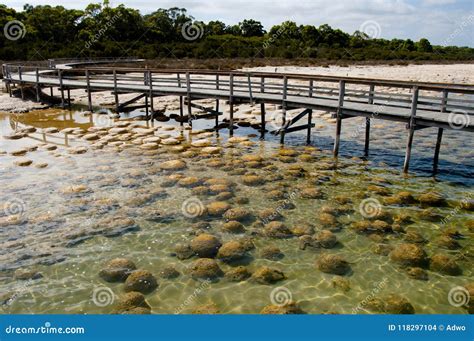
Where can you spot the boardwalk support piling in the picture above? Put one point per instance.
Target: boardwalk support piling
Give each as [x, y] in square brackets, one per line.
[61, 88]
[231, 104]
[37, 85]
[150, 83]
[283, 118]
[437, 149]
[342, 90]
[117, 104]
[181, 109]
[217, 105]
[21, 84]
[367, 122]
[89, 95]
[411, 127]
[262, 110]
[188, 98]
[444, 103]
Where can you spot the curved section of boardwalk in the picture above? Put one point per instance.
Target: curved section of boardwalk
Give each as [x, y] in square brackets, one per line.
[418, 104]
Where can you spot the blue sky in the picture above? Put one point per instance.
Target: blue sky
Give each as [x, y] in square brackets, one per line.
[443, 22]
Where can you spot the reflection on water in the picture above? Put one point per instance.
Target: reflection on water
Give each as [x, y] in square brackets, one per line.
[91, 197]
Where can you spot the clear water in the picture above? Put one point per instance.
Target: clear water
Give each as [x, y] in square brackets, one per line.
[118, 178]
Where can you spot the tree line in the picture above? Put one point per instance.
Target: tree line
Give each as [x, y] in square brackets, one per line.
[41, 32]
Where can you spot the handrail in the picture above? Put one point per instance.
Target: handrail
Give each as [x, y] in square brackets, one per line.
[435, 86]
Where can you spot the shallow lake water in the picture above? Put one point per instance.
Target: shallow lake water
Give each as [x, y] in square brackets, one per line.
[89, 203]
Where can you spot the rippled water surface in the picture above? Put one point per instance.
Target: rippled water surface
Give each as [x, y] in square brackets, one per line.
[63, 215]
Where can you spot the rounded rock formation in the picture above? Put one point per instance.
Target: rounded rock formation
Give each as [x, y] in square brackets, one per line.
[445, 265]
[142, 281]
[266, 275]
[231, 251]
[276, 229]
[409, 255]
[117, 270]
[205, 245]
[206, 268]
[333, 264]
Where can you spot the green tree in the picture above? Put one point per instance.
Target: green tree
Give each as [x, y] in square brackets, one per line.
[251, 28]
[424, 45]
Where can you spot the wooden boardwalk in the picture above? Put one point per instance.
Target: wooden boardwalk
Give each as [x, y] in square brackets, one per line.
[418, 104]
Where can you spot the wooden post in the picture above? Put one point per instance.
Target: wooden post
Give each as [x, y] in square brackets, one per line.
[411, 127]
[231, 104]
[117, 104]
[37, 85]
[342, 91]
[367, 122]
[147, 113]
[283, 130]
[181, 113]
[188, 91]
[444, 103]
[9, 77]
[437, 149]
[310, 119]
[60, 76]
[310, 114]
[250, 88]
[217, 103]
[89, 95]
[21, 83]
[69, 98]
[262, 109]
[150, 80]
